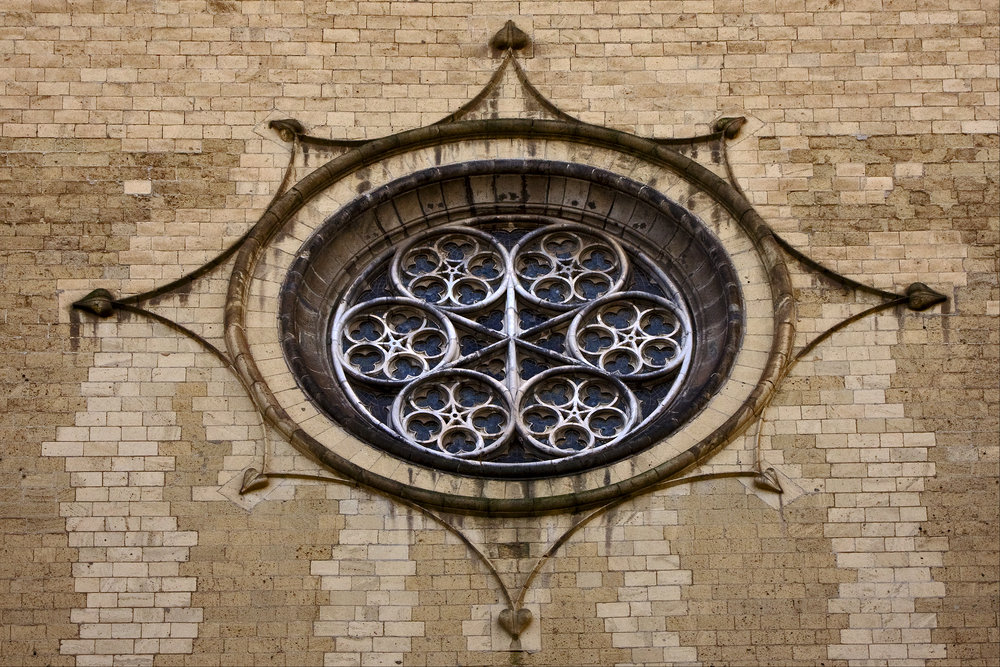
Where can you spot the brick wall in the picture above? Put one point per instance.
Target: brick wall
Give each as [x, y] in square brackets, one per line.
[134, 147]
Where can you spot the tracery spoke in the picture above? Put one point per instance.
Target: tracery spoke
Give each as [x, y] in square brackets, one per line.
[477, 355]
[562, 359]
[477, 327]
[547, 323]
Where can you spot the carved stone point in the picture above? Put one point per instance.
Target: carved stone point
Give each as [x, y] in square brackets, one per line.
[510, 37]
[100, 302]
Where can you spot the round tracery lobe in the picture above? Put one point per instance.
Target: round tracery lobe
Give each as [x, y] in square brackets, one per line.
[568, 267]
[633, 335]
[565, 411]
[393, 340]
[458, 413]
[457, 270]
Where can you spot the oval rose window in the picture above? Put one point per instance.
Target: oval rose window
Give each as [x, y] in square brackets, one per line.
[526, 318]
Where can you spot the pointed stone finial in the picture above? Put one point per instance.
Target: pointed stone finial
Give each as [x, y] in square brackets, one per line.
[287, 128]
[253, 480]
[923, 297]
[100, 302]
[509, 37]
[731, 126]
[768, 480]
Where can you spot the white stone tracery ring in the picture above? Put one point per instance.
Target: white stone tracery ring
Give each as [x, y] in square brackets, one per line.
[456, 412]
[567, 410]
[567, 266]
[456, 269]
[632, 335]
[391, 341]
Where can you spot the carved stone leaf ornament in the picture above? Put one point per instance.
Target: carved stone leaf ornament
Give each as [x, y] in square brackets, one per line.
[253, 480]
[768, 480]
[99, 302]
[515, 622]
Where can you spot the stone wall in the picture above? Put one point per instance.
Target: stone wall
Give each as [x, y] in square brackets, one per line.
[134, 148]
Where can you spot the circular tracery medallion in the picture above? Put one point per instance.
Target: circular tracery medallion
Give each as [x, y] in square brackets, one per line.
[511, 336]
[532, 353]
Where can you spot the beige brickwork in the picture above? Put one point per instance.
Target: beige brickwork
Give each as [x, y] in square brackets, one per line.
[134, 147]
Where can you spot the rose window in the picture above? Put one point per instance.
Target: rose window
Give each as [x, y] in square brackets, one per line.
[502, 320]
[511, 342]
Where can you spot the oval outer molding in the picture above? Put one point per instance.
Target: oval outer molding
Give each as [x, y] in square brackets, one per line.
[517, 497]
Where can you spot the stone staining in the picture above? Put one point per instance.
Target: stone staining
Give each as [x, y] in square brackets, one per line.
[526, 343]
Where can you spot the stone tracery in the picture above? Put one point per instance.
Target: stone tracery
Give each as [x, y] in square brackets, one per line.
[492, 349]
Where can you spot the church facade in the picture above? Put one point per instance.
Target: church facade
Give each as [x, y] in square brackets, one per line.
[538, 333]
